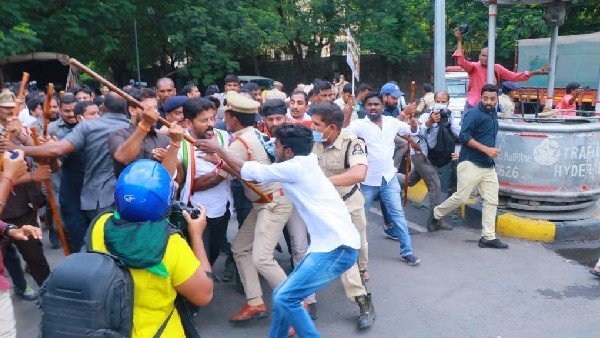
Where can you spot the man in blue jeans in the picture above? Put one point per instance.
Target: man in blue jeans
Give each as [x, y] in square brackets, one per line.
[334, 239]
[379, 132]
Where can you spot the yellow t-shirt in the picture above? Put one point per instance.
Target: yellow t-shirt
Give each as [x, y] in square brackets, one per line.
[154, 296]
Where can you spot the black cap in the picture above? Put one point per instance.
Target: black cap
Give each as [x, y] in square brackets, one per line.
[572, 85]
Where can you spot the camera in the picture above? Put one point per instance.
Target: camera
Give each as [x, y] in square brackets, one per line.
[463, 29]
[176, 216]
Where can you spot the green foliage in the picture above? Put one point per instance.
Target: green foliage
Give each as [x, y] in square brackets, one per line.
[204, 39]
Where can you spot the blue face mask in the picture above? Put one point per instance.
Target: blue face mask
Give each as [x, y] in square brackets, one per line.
[317, 136]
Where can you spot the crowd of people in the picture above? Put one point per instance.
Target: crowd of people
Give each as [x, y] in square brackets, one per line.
[308, 165]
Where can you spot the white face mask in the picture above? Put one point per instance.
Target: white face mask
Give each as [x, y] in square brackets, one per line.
[438, 106]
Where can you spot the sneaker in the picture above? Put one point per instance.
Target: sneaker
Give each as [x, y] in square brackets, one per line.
[27, 294]
[411, 259]
[432, 223]
[389, 233]
[492, 243]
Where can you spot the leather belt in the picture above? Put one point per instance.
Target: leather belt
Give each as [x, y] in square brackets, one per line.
[269, 199]
[350, 193]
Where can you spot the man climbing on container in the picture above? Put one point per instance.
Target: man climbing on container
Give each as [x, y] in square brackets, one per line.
[478, 72]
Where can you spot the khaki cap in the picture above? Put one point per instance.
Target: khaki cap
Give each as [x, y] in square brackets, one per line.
[241, 104]
[7, 100]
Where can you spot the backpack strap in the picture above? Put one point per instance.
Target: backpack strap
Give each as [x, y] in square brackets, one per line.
[346, 161]
[89, 243]
[162, 327]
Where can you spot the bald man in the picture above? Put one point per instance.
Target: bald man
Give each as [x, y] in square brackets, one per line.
[165, 88]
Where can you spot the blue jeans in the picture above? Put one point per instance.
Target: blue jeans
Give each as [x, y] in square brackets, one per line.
[315, 271]
[390, 195]
[75, 221]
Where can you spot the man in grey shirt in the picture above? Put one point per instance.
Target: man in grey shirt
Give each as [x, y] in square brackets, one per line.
[91, 137]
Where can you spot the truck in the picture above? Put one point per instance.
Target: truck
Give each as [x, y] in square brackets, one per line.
[578, 60]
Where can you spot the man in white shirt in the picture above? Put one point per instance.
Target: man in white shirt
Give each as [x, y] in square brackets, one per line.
[430, 123]
[298, 106]
[334, 239]
[379, 133]
[201, 181]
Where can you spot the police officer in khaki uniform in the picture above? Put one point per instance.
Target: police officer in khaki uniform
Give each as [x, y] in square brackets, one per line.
[255, 242]
[343, 159]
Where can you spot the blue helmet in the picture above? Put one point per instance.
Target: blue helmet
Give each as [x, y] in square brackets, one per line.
[144, 192]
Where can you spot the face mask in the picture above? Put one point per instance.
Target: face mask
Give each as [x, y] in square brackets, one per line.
[438, 107]
[318, 136]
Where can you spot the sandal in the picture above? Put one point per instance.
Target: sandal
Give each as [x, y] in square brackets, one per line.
[595, 272]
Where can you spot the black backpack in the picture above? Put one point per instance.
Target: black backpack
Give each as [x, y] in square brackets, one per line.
[89, 294]
[441, 154]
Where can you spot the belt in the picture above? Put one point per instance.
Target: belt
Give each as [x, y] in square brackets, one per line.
[350, 193]
[269, 199]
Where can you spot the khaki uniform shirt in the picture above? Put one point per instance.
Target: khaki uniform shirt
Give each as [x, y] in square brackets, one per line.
[259, 154]
[332, 161]
[508, 105]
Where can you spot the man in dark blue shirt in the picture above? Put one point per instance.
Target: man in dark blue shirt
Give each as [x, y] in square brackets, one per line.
[476, 167]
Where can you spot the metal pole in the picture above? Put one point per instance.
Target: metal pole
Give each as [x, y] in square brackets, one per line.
[137, 51]
[552, 72]
[439, 46]
[492, 11]
[598, 95]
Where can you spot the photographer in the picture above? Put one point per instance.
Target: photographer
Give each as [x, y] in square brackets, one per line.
[431, 121]
[161, 262]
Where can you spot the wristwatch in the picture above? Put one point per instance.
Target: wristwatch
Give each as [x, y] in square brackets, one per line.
[7, 228]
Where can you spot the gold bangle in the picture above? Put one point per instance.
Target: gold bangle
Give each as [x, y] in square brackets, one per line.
[143, 127]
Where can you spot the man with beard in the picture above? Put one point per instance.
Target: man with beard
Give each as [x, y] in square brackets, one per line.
[201, 181]
[378, 133]
[72, 172]
[54, 113]
[478, 72]
[59, 129]
[476, 167]
[141, 140]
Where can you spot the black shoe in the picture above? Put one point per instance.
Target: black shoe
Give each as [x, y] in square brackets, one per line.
[230, 270]
[443, 225]
[595, 272]
[492, 243]
[432, 223]
[312, 311]
[367, 311]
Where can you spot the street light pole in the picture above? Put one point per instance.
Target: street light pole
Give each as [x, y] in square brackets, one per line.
[137, 51]
[492, 12]
[439, 46]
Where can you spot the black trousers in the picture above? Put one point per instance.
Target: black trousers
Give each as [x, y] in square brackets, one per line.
[215, 235]
[31, 250]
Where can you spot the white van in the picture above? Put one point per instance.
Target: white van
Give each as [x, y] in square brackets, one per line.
[457, 81]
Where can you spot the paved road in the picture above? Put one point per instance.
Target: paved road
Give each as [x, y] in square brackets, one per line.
[459, 290]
